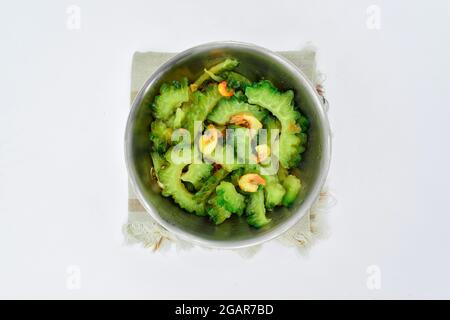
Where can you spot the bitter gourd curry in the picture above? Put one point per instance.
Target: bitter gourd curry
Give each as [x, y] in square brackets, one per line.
[243, 140]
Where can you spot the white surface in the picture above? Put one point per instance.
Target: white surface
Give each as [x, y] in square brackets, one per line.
[63, 182]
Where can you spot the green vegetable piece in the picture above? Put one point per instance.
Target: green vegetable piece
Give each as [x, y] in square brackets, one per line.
[200, 106]
[273, 192]
[292, 185]
[304, 138]
[304, 123]
[218, 214]
[226, 108]
[271, 123]
[220, 156]
[160, 136]
[170, 98]
[170, 177]
[209, 186]
[175, 121]
[282, 173]
[158, 162]
[236, 80]
[235, 175]
[244, 144]
[256, 212]
[240, 96]
[281, 106]
[197, 172]
[213, 76]
[225, 65]
[229, 198]
[290, 149]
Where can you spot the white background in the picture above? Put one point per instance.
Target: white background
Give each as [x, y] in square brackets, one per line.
[63, 182]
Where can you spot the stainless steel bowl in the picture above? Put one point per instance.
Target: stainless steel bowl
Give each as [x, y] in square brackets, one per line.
[255, 63]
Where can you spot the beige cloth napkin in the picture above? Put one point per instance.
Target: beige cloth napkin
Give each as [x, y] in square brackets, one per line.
[142, 228]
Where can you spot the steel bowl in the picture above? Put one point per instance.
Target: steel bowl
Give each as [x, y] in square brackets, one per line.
[255, 63]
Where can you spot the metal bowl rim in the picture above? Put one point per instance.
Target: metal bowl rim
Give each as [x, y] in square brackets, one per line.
[308, 201]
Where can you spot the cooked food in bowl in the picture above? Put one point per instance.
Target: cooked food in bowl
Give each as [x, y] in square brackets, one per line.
[234, 144]
[225, 147]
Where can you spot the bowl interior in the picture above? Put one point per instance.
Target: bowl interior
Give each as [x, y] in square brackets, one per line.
[256, 64]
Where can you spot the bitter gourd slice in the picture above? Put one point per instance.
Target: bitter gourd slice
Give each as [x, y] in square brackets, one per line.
[273, 191]
[256, 212]
[241, 140]
[235, 175]
[292, 185]
[176, 120]
[282, 173]
[226, 65]
[160, 135]
[281, 106]
[170, 177]
[220, 157]
[236, 80]
[273, 128]
[196, 173]
[228, 198]
[158, 161]
[218, 214]
[227, 108]
[209, 186]
[304, 123]
[200, 106]
[170, 98]
[271, 123]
